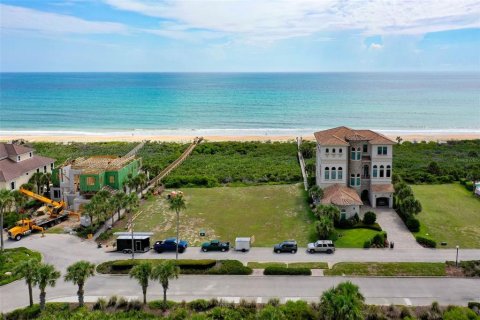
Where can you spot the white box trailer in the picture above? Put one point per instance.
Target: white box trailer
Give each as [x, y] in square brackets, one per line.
[243, 244]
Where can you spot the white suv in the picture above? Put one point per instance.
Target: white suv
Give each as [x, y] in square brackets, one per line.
[321, 246]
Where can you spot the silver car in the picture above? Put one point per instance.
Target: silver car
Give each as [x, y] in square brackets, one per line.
[326, 246]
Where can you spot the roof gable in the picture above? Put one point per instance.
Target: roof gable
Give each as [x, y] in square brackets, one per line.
[340, 136]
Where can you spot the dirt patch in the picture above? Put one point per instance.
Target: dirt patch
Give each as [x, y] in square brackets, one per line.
[453, 271]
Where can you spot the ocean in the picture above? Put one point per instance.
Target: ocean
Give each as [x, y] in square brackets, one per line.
[237, 103]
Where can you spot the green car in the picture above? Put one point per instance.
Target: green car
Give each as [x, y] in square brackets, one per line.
[215, 245]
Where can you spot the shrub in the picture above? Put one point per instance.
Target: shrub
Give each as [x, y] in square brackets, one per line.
[200, 305]
[25, 313]
[413, 224]
[274, 302]
[161, 305]
[122, 303]
[277, 270]
[230, 267]
[271, 313]
[101, 304]
[469, 185]
[112, 302]
[134, 305]
[426, 242]
[367, 244]
[298, 310]
[459, 313]
[463, 181]
[369, 218]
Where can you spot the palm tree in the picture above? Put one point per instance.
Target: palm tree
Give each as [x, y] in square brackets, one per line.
[141, 180]
[48, 179]
[20, 200]
[343, 302]
[324, 227]
[163, 272]
[6, 201]
[27, 269]
[78, 273]
[131, 202]
[119, 200]
[38, 179]
[316, 193]
[46, 275]
[177, 203]
[142, 272]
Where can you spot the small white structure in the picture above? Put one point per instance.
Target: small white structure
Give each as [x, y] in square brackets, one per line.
[243, 244]
[477, 188]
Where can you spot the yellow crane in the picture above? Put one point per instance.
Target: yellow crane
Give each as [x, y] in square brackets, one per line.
[54, 207]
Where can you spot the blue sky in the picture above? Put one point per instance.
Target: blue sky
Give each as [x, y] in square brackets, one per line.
[245, 36]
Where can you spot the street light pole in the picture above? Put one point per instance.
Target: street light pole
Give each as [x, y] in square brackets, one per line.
[133, 248]
[178, 221]
[456, 260]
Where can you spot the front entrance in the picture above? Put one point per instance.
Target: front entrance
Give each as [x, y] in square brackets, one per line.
[382, 202]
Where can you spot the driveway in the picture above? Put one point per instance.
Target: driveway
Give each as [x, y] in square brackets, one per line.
[395, 228]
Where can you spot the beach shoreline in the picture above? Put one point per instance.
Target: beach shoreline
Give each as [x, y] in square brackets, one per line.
[64, 138]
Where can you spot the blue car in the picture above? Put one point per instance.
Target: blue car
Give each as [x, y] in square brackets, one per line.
[170, 244]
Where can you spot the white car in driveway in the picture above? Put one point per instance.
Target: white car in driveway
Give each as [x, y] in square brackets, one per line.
[326, 246]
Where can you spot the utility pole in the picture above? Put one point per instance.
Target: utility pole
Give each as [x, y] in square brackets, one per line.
[131, 230]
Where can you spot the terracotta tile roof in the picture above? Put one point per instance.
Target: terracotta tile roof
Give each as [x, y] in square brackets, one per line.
[10, 170]
[340, 136]
[340, 196]
[8, 149]
[382, 188]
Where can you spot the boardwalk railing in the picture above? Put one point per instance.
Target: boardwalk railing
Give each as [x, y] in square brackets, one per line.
[172, 166]
[302, 163]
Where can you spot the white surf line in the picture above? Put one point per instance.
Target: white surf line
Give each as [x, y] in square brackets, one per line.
[407, 301]
[259, 300]
[230, 299]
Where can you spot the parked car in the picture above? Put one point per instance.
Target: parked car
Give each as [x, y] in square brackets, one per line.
[215, 245]
[286, 246]
[170, 244]
[326, 246]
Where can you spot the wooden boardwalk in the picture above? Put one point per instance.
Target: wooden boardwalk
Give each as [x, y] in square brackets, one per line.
[302, 163]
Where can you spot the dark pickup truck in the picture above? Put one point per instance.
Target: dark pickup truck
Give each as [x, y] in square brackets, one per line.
[215, 245]
[170, 244]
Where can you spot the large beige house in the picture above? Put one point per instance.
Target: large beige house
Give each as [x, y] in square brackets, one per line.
[18, 163]
[354, 167]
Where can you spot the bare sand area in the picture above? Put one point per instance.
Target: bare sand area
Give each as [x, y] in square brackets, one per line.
[186, 138]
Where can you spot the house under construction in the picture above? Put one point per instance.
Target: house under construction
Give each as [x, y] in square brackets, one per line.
[78, 179]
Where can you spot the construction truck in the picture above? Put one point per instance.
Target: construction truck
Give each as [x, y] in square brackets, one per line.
[26, 226]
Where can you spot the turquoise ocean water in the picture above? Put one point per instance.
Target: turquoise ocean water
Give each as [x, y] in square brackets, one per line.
[237, 103]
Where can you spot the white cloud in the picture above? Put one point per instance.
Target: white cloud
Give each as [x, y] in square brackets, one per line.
[24, 19]
[375, 46]
[270, 20]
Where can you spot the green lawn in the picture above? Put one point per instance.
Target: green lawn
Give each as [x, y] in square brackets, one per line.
[387, 269]
[354, 238]
[270, 213]
[10, 258]
[450, 213]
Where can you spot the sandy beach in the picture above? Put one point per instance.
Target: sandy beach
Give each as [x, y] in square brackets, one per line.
[186, 138]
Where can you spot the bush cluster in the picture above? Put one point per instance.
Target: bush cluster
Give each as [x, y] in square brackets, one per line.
[278, 270]
[378, 241]
[369, 218]
[407, 206]
[426, 242]
[437, 162]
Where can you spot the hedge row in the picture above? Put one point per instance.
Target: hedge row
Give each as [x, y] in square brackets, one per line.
[277, 270]
[426, 242]
[187, 266]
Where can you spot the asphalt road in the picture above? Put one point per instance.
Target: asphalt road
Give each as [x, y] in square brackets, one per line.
[62, 250]
[401, 291]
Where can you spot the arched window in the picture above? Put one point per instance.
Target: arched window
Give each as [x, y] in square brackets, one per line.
[340, 150]
[327, 173]
[352, 180]
[333, 150]
[334, 173]
[389, 171]
[353, 154]
[340, 172]
[382, 171]
[327, 150]
[359, 153]
[359, 182]
[374, 174]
